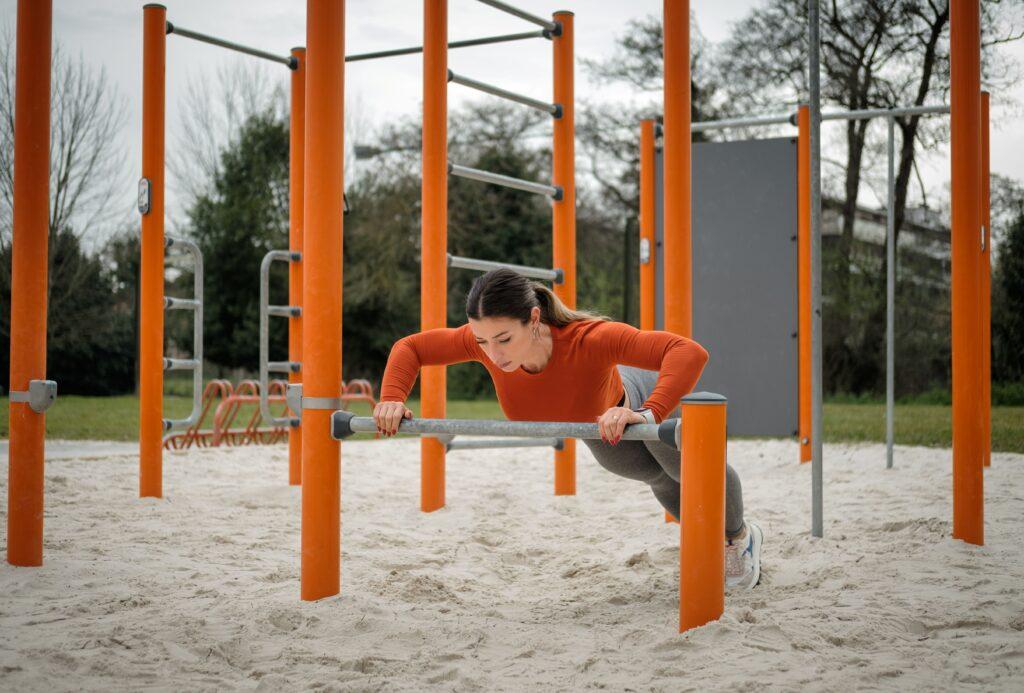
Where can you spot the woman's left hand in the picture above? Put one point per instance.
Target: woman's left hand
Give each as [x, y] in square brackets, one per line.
[613, 422]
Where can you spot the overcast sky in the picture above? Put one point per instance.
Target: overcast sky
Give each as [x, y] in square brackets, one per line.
[108, 34]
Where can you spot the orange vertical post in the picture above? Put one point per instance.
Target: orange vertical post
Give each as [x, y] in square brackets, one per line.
[676, 147]
[803, 187]
[564, 211]
[151, 299]
[29, 278]
[648, 267]
[434, 239]
[986, 290]
[965, 131]
[296, 144]
[702, 510]
[322, 296]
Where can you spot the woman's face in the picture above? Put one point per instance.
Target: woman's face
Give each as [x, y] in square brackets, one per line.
[506, 341]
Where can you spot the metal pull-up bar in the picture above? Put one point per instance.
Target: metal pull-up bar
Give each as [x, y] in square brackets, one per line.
[549, 26]
[555, 276]
[552, 191]
[465, 43]
[553, 108]
[288, 61]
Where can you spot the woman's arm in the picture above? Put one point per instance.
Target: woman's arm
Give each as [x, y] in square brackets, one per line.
[439, 347]
[678, 360]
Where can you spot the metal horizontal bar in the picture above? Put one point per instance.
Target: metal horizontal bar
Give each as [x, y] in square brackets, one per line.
[554, 109]
[522, 14]
[555, 275]
[180, 364]
[727, 123]
[284, 366]
[492, 443]
[285, 311]
[885, 112]
[289, 61]
[552, 191]
[172, 303]
[344, 424]
[466, 43]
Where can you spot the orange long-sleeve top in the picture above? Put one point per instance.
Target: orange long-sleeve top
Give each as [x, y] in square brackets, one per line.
[580, 381]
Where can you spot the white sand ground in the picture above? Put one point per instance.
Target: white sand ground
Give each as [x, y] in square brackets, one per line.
[510, 588]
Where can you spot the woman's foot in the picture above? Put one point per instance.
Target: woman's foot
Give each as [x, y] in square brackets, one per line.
[743, 558]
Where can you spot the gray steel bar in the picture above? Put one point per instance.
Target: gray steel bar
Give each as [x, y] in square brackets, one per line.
[284, 366]
[344, 424]
[885, 112]
[196, 304]
[213, 40]
[890, 296]
[556, 275]
[741, 122]
[814, 82]
[493, 443]
[466, 43]
[266, 310]
[552, 108]
[284, 311]
[552, 191]
[515, 11]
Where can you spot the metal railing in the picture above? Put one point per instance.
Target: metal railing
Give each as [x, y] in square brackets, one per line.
[266, 310]
[195, 304]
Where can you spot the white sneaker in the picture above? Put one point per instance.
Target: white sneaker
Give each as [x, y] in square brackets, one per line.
[743, 559]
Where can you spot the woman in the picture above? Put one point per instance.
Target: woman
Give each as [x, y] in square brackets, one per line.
[550, 363]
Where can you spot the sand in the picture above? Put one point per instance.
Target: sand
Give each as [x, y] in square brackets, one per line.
[509, 587]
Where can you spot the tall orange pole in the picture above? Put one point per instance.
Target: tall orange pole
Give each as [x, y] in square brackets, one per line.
[965, 131]
[986, 290]
[647, 235]
[151, 299]
[31, 224]
[676, 147]
[322, 296]
[803, 187]
[702, 510]
[296, 145]
[564, 211]
[434, 239]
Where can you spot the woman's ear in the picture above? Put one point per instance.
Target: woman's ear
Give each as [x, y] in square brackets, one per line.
[535, 315]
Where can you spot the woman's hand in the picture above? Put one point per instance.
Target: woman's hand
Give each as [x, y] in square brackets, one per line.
[387, 416]
[613, 422]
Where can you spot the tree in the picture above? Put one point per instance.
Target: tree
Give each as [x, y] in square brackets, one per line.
[1008, 302]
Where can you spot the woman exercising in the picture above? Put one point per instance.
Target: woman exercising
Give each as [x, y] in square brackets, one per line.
[550, 363]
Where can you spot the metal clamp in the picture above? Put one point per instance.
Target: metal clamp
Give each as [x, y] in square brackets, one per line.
[40, 396]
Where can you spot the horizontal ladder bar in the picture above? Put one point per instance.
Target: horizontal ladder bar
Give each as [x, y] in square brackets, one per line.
[552, 191]
[284, 366]
[289, 61]
[172, 303]
[488, 444]
[180, 364]
[553, 275]
[548, 25]
[285, 311]
[466, 43]
[345, 423]
[554, 109]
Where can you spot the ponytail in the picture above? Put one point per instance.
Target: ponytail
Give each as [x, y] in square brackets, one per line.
[502, 293]
[554, 312]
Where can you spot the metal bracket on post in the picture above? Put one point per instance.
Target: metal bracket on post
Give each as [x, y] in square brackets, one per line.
[293, 398]
[39, 397]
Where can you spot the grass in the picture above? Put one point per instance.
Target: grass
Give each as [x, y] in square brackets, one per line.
[117, 418]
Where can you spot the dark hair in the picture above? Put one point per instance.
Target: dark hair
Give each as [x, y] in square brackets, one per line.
[502, 293]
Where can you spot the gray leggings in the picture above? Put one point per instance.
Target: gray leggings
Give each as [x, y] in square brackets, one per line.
[657, 464]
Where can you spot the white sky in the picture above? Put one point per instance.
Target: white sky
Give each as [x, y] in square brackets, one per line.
[108, 34]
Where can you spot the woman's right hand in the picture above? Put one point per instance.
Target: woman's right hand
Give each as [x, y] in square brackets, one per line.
[387, 416]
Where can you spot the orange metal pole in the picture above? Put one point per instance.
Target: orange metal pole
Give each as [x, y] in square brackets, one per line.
[803, 168]
[647, 206]
[676, 147]
[151, 300]
[29, 278]
[965, 131]
[322, 296]
[986, 290]
[434, 239]
[702, 510]
[297, 135]
[563, 211]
